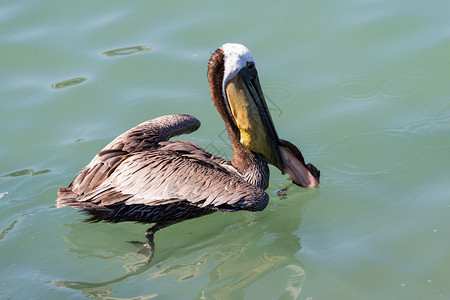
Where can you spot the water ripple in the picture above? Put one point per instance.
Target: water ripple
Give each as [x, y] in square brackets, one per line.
[432, 66]
[9, 228]
[420, 63]
[68, 82]
[361, 159]
[355, 88]
[408, 81]
[444, 112]
[25, 172]
[127, 51]
[282, 93]
[392, 86]
[433, 133]
[391, 150]
[400, 85]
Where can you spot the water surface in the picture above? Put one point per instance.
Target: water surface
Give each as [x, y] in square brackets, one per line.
[363, 87]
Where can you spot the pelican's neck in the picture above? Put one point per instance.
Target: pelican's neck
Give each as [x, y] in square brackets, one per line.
[250, 165]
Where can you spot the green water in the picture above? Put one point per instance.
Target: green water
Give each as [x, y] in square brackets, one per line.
[362, 87]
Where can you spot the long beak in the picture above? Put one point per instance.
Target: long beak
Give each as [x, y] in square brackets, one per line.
[249, 109]
[257, 132]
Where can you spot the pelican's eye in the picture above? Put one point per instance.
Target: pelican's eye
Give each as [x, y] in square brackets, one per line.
[250, 66]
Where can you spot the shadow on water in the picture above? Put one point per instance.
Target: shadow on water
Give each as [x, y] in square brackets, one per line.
[236, 251]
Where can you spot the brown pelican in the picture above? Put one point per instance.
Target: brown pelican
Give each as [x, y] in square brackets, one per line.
[142, 176]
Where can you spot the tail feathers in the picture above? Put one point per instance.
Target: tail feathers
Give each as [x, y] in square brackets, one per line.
[67, 197]
[97, 213]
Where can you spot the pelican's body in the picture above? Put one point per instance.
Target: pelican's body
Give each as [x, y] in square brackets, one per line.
[143, 176]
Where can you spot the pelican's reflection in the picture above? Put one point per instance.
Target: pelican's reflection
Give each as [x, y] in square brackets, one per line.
[233, 252]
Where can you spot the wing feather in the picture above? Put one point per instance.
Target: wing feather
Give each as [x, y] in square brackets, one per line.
[161, 177]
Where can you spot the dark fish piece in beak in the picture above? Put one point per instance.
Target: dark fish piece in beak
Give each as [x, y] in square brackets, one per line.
[304, 175]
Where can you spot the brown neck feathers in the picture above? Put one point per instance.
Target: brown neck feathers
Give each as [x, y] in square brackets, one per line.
[242, 157]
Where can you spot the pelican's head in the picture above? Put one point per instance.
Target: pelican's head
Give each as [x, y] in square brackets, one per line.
[234, 81]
